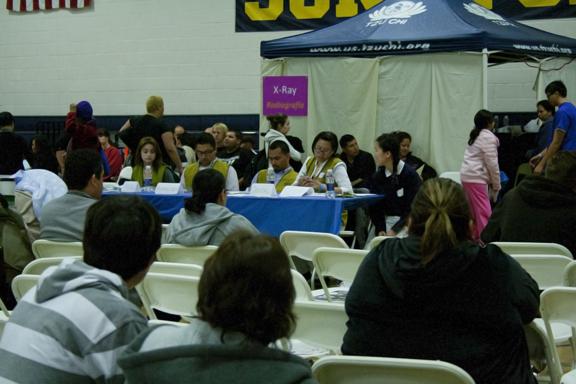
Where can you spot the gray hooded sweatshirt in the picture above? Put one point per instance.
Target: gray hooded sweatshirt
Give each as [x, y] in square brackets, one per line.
[208, 228]
[70, 328]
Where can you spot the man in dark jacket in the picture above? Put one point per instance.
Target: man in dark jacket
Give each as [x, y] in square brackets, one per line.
[539, 209]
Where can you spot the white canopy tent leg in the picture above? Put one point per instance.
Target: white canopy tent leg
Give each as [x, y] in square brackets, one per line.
[485, 78]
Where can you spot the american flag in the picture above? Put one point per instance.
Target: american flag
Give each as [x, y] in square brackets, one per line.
[37, 5]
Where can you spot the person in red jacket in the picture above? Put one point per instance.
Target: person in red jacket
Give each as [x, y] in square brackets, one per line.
[81, 127]
[113, 155]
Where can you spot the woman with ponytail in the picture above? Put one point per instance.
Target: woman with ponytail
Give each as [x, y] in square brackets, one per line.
[480, 173]
[398, 182]
[205, 220]
[437, 295]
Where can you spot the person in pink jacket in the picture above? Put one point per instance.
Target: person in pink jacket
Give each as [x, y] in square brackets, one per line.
[480, 174]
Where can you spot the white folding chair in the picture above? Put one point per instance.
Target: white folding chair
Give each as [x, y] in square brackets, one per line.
[178, 269]
[22, 284]
[320, 324]
[371, 370]
[376, 241]
[341, 264]
[48, 248]
[546, 270]
[125, 173]
[452, 175]
[524, 248]
[303, 244]
[558, 305]
[175, 253]
[172, 294]
[570, 275]
[540, 351]
[37, 266]
[301, 286]
[4, 316]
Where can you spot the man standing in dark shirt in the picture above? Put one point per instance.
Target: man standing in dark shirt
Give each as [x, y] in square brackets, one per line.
[236, 157]
[13, 148]
[359, 164]
[151, 124]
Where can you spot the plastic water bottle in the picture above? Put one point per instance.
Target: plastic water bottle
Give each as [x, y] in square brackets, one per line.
[270, 176]
[330, 192]
[147, 179]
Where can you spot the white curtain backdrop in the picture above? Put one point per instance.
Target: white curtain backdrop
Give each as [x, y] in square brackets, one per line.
[433, 97]
[558, 69]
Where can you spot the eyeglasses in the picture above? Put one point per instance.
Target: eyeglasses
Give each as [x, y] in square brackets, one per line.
[322, 150]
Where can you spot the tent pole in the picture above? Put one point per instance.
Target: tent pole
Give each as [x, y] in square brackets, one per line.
[485, 78]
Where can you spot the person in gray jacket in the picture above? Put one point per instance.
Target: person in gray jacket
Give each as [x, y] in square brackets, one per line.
[205, 220]
[245, 298]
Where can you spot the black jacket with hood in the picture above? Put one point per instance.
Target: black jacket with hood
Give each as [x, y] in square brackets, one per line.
[537, 210]
[466, 306]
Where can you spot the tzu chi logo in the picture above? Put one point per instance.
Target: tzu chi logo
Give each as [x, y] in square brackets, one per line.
[397, 13]
[479, 10]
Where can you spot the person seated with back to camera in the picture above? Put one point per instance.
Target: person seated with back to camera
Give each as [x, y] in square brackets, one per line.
[74, 324]
[148, 153]
[540, 209]
[62, 219]
[397, 182]
[205, 220]
[436, 295]
[279, 156]
[424, 170]
[205, 148]
[313, 172]
[245, 299]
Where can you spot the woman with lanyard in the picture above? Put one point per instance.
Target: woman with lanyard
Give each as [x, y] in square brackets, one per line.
[313, 173]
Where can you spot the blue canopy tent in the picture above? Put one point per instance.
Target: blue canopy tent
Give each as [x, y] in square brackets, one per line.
[418, 66]
[426, 26]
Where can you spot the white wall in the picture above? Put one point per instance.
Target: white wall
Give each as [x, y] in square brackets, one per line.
[121, 51]
[511, 87]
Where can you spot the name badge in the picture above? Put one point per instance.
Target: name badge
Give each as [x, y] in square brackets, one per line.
[400, 192]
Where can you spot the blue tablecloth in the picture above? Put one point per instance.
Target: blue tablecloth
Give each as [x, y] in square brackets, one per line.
[274, 215]
[271, 215]
[166, 205]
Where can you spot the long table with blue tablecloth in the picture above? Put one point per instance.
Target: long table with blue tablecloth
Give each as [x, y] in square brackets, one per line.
[272, 215]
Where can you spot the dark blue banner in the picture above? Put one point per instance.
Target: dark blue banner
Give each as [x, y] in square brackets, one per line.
[284, 15]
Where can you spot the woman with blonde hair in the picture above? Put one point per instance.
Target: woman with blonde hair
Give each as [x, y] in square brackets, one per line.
[436, 295]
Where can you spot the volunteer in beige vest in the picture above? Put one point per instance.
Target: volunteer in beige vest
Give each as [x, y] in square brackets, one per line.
[313, 173]
[205, 149]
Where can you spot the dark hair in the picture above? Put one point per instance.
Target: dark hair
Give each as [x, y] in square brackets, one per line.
[329, 137]
[276, 121]
[247, 287]
[279, 144]
[138, 155]
[79, 167]
[122, 235]
[205, 138]
[237, 134]
[401, 135]
[6, 119]
[440, 216]
[562, 168]
[248, 139]
[207, 185]
[42, 144]
[103, 132]
[388, 142]
[482, 120]
[345, 139]
[547, 106]
[556, 86]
